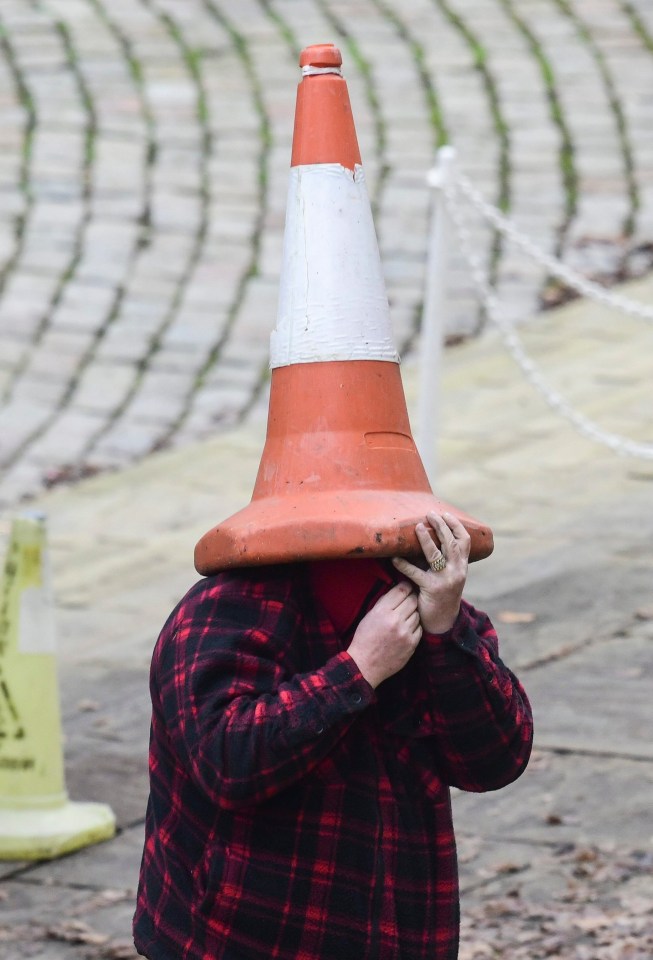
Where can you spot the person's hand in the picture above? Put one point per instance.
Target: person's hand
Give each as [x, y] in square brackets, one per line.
[387, 636]
[440, 591]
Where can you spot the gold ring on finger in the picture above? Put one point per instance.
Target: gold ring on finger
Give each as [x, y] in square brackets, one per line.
[439, 563]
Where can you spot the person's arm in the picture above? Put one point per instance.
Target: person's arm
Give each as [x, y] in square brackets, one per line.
[241, 723]
[478, 712]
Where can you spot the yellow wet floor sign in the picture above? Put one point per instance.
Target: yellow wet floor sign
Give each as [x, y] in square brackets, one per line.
[37, 821]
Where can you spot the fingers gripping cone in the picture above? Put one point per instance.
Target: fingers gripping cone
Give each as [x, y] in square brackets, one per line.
[340, 475]
[37, 821]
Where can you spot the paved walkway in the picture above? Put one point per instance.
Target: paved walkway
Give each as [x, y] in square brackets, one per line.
[559, 864]
[144, 149]
[143, 164]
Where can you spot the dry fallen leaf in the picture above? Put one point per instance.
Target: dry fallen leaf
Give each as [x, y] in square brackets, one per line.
[468, 849]
[103, 898]
[586, 855]
[516, 616]
[637, 905]
[508, 868]
[631, 673]
[589, 923]
[118, 950]
[475, 951]
[88, 706]
[583, 922]
[539, 761]
[644, 613]
[553, 820]
[501, 908]
[75, 931]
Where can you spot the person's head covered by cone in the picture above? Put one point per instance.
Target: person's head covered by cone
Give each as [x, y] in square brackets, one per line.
[340, 475]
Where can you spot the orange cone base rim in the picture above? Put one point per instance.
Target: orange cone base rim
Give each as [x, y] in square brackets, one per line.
[328, 525]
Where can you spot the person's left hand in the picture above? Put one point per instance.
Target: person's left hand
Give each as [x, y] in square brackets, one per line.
[440, 591]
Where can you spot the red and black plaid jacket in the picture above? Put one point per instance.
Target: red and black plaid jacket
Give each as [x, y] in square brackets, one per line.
[295, 812]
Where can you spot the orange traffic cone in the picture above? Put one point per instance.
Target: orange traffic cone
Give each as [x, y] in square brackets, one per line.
[340, 475]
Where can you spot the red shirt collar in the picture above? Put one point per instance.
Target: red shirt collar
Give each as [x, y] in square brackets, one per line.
[347, 588]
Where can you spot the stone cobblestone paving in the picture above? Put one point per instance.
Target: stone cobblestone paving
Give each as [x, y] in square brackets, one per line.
[144, 148]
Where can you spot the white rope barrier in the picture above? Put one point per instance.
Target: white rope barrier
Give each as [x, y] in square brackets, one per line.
[456, 186]
[582, 286]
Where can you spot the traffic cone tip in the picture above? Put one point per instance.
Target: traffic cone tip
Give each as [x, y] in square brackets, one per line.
[324, 125]
[320, 55]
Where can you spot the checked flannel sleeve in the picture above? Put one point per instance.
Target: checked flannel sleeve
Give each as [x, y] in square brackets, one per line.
[479, 713]
[242, 722]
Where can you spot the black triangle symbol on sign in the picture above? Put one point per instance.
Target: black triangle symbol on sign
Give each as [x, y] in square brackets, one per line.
[11, 727]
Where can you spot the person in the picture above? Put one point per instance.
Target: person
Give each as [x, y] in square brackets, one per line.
[308, 721]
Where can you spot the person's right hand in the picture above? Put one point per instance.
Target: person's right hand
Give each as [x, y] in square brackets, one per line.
[387, 636]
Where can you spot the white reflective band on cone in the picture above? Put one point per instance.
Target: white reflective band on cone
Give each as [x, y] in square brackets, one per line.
[332, 300]
[310, 71]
